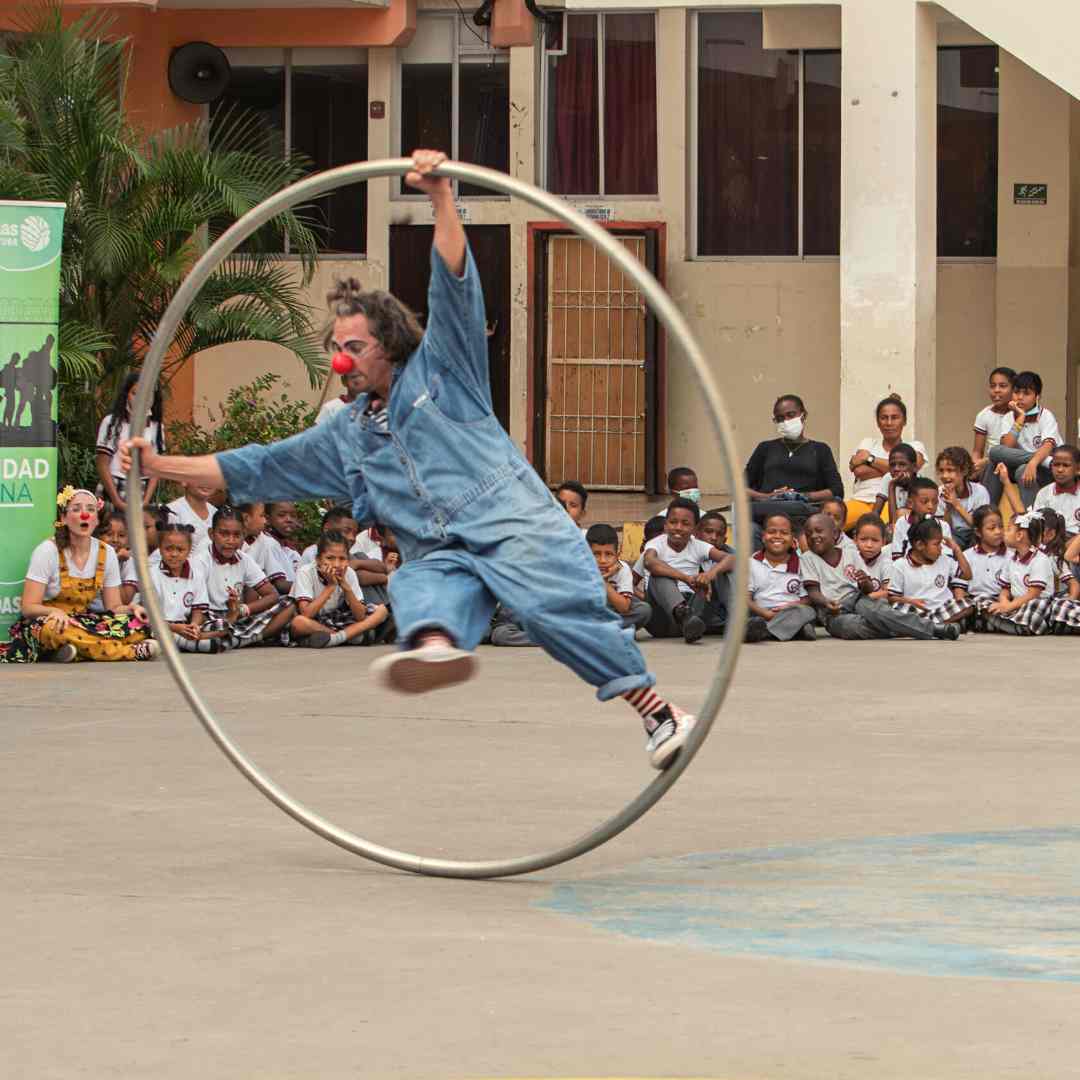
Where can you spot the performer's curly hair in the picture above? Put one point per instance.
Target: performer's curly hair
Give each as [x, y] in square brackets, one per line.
[391, 323]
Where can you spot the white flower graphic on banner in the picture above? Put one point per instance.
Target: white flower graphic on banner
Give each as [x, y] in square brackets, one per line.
[35, 233]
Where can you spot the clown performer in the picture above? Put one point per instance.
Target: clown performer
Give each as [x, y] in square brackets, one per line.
[71, 603]
[421, 451]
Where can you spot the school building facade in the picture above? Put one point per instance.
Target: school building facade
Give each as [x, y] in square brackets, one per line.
[845, 200]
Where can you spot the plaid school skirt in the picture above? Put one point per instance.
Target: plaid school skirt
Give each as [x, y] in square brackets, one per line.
[951, 609]
[245, 632]
[1033, 619]
[1065, 615]
[383, 634]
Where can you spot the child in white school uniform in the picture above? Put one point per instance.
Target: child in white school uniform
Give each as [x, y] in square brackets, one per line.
[115, 428]
[282, 525]
[929, 581]
[986, 558]
[180, 585]
[959, 495]
[654, 527]
[779, 607]
[1025, 603]
[1063, 495]
[264, 551]
[993, 421]
[1065, 613]
[923, 501]
[679, 584]
[603, 542]
[243, 604]
[193, 508]
[331, 609]
[129, 578]
[892, 498]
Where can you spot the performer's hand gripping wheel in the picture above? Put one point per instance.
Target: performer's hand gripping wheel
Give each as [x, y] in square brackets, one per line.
[679, 334]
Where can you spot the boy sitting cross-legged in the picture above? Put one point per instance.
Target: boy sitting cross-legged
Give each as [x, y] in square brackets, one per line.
[603, 542]
[679, 581]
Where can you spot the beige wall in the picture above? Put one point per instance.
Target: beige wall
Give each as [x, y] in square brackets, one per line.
[770, 327]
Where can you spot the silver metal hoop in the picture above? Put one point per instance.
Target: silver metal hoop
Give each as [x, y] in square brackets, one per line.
[672, 320]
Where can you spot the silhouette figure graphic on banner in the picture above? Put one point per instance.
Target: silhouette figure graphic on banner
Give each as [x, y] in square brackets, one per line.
[28, 390]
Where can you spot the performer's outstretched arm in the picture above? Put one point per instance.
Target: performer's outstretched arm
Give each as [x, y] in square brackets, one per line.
[449, 234]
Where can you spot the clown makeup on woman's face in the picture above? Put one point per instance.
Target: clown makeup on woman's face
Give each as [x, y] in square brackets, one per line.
[81, 514]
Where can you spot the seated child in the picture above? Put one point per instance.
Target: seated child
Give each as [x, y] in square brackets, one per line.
[603, 542]
[872, 574]
[113, 531]
[376, 569]
[573, 498]
[895, 484]
[986, 558]
[654, 527]
[264, 550]
[679, 585]
[929, 582]
[180, 585]
[830, 575]
[193, 508]
[960, 495]
[282, 525]
[923, 501]
[129, 584]
[331, 609]
[837, 510]
[506, 631]
[1028, 443]
[243, 604]
[1053, 546]
[993, 421]
[1063, 495]
[682, 483]
[1025, 603]
[778, 604]
[713, 529]
[339, 519]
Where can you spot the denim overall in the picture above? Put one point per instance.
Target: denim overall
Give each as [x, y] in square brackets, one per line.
[474, 522]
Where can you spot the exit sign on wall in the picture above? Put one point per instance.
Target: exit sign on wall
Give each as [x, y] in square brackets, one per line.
[1029, 194]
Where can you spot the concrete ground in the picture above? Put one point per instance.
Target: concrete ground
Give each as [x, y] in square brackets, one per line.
[160, 919]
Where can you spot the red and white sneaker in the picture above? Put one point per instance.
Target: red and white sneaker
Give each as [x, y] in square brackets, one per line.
[429, 666]
[147, 650]
[670, 737]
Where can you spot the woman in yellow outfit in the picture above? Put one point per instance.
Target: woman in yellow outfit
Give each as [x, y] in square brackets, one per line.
[71, 603]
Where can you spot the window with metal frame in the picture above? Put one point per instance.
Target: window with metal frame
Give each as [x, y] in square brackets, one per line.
[314, 102]
[600, 104]
[454, 95]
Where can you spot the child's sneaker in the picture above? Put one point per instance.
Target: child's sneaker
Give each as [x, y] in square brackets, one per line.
[147, 650]
[426, 667]
[670, 737]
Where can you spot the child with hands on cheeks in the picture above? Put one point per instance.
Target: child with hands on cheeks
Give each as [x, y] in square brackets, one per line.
[961, 495]
[679, 584]
[331, 609]
[779, 607]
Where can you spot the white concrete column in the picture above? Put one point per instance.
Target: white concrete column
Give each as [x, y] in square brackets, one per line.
[1033, 241]
[382, 63]
[888, 228]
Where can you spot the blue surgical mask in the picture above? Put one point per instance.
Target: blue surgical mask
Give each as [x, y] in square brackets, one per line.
[1033, 411]
[693, 494]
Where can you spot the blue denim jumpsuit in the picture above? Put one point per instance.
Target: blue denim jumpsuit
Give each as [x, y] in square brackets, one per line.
[474, 522]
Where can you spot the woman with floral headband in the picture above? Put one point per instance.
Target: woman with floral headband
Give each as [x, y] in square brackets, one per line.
[71, 603]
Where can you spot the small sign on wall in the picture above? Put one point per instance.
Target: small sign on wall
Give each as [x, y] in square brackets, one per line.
[1029, 194]
[598, 213]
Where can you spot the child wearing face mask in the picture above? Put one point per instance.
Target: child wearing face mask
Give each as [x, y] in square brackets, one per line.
[1026, 447]
[682, 483]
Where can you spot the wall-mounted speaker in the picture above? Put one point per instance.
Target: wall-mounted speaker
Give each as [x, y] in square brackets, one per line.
[198, 72]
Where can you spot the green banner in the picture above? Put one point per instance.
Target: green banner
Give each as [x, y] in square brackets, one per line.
[30, 240]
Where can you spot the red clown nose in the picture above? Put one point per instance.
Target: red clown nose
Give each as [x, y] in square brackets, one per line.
[342, 363]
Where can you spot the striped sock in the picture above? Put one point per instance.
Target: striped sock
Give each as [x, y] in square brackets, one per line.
[648, 703]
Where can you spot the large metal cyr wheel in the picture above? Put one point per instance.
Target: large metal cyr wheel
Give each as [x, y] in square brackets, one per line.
[679, 334]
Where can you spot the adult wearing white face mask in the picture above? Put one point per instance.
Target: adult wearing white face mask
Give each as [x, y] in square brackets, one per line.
[790, 474]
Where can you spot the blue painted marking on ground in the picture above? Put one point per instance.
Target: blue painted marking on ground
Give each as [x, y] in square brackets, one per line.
[991, 905]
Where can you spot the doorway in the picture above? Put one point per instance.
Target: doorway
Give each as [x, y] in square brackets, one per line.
[596, 371]
[410, 262]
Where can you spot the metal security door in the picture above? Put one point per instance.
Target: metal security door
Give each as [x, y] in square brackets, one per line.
[597, 351]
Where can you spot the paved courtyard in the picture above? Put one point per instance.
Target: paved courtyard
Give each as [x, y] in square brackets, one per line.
[870, 871]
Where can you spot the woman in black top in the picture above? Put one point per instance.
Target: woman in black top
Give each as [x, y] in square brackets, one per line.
[791, 474]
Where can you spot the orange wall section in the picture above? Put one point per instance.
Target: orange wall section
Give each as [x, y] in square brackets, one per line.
[511, 24]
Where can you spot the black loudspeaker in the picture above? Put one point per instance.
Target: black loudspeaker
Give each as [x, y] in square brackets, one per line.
[198, 72]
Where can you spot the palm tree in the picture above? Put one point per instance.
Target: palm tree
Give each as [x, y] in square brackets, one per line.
[140, 209]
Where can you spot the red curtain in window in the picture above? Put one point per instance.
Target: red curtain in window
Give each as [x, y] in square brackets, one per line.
[630, 105]
[574, 145]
